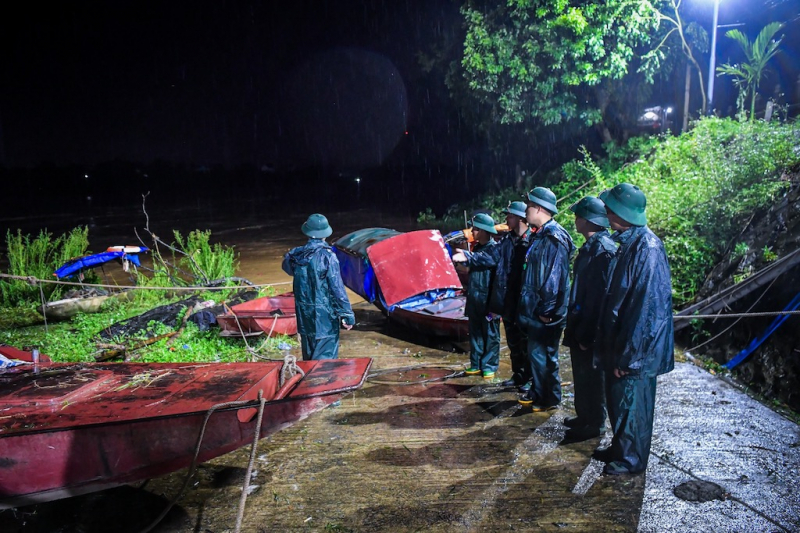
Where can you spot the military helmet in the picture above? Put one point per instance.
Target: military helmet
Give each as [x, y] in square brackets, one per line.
[484, 222]
[627, 202]
[544, 197]
[516, 208]
[317, 227]
[591, 209]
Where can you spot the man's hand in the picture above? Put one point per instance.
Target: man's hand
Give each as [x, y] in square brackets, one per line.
[582, 347]
[347, 326]
[459, 257]
[620, 373]
[545, 319]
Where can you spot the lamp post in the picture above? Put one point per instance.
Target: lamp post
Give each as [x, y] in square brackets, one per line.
[712, 61]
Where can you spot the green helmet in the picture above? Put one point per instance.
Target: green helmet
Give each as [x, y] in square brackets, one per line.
[544, 197]
[627, 202]
[516, 208]
[592, 209]
[317, 227]
[484, 222]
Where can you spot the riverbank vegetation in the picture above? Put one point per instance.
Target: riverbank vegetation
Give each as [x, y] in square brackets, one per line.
[702, 187]
[190, 261]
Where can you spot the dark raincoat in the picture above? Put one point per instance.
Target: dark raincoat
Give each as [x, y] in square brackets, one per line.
[590, 274]
[507, 258]
[484, 327]
[636, 337]
[320, 298]
[545, 292]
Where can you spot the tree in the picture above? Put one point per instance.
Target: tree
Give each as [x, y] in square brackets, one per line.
[747, 76]
[692, 37]
[546, 62]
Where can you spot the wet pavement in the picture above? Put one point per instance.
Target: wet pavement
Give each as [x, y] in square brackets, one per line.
[422, 448]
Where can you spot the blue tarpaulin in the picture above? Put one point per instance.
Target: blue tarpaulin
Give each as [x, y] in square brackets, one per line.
[91, 261]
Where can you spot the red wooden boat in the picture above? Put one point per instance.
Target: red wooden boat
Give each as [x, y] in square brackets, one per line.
[70, 429]
[271, 315]
[410, 276]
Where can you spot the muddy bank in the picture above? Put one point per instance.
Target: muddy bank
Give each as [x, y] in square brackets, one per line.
[773, 369]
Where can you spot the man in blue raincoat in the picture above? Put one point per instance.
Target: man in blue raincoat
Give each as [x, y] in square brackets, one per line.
[589, 279]
[320, 297]
[635, 337]
[484, 326]
[543, 298]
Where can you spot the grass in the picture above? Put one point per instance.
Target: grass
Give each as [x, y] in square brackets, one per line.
[77, 340]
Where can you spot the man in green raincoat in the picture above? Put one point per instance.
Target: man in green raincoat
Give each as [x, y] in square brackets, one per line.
[320, 297]
[484, 326]
[544, 297]
[589, 279]
[635, 337]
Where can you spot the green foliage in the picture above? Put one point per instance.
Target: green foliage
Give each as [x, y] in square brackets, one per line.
[767, 255]
[747, 75]
[741, 249]
[701, 188]
[76, 340]
[204, 261]
[38, 257]
[534, 60]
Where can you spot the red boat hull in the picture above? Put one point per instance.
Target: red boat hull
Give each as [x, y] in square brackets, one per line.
[271, 315]
[107, 426]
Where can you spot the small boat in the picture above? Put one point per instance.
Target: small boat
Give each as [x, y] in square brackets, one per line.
[271, 315]
[126, 255]
[71, 429]
[409, 276]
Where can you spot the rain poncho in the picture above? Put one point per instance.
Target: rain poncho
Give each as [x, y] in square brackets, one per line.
[320, 298]
[507, 258]
[484, 327]
[545, 286]
[635, 332]
[545, 292]
[590, 274]
[635, 336]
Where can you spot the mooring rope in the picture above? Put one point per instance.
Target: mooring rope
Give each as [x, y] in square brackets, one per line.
[33, 280]
[243, 404]
[290, 368]
[246, 485]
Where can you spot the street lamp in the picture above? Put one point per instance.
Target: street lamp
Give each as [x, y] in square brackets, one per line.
[713, 59]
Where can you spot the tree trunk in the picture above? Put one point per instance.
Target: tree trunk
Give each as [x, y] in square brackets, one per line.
[686, 96]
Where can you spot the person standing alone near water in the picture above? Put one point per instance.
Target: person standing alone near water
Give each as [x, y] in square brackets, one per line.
[320, 297]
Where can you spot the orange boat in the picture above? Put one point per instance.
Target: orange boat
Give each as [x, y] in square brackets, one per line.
[271, 315]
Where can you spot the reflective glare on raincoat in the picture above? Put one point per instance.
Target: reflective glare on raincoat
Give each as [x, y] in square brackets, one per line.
[320, 298]
[635, 333]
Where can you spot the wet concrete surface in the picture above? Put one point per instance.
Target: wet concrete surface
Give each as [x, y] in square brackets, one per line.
[419, 449]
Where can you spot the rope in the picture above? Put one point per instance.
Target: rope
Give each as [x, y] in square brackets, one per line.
[736, 315]
[44, 307]
[32, 280]
[457, 372]
[246, 484]
[239, 403]
[290, 368]
[718, 335]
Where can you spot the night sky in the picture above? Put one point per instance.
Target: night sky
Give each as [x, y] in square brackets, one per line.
[272, 84]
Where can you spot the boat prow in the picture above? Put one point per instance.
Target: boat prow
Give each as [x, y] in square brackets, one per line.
[71, 429]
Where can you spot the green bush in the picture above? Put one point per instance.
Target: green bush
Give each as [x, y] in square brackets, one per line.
[205, 261]
[38, 258]
[701, 187]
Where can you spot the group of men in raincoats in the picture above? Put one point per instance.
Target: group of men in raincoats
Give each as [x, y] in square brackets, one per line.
[617, 314]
